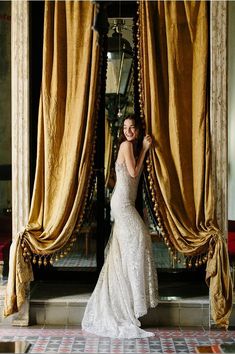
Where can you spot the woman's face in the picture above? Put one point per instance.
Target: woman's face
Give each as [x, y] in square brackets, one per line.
[129, 129]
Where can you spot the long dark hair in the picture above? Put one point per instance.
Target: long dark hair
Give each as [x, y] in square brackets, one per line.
[139, 141]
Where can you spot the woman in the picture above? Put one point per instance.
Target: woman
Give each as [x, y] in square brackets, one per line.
[127, 284]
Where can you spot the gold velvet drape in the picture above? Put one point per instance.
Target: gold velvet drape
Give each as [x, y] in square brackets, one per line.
[173, 54]
[108, 151]
[66, 129]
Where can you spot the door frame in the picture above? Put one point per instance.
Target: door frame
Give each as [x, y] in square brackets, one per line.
[20, 106]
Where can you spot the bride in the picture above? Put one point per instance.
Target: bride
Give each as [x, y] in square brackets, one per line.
[127, 284]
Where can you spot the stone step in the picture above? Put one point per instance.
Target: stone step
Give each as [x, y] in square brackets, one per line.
[65, 304]
[165, 314]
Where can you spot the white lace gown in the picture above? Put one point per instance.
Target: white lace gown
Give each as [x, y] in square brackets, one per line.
[127, 285]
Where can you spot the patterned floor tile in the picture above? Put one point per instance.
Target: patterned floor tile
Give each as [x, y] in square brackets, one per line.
[73, 340]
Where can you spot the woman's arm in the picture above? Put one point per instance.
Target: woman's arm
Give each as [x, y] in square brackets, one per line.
[134, 167]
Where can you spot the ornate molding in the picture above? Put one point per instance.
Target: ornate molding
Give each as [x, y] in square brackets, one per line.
[20, 127]
[219, 107]
[20, 114]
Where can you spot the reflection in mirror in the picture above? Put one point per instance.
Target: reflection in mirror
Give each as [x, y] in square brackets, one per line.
[82, 257]
[119, 83]
[162, 257]
[120, 103]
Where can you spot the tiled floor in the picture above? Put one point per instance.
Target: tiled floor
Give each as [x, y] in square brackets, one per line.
[74, 340]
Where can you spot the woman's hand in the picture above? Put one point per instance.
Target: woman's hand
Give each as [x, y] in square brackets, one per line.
[147, 142]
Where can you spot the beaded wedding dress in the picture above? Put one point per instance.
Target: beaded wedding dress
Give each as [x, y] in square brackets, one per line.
[127, 285]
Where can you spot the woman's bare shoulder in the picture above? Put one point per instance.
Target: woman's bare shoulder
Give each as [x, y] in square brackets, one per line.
[123, 148]
[126, 145]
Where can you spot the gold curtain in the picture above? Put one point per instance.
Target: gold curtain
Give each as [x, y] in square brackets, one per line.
[173, 57]
[108, 151]
[66, 135]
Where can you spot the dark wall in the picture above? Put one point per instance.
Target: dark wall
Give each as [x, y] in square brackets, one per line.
[5, 106]
[121, 9]
[36, 9]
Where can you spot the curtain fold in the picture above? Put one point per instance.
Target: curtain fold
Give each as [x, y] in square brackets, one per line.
[173, 51]
[108, 151]
[66, 137]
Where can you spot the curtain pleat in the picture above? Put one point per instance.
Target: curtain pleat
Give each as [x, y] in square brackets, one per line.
[108, 151]
[173, 49]
[66, 136]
